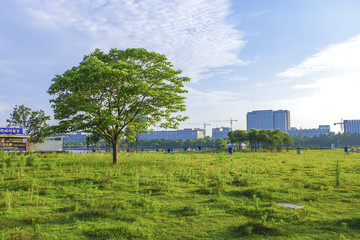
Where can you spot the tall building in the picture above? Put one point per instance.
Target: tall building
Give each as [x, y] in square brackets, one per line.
[268, 119]
[221, 132]
[351, 126]
[282, 120]
[187, 133]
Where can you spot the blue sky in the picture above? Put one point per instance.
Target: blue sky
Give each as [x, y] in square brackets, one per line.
[245, 55]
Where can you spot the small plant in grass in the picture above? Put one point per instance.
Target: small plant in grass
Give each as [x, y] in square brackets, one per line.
[30, 161]
[8, 200]
[257, 202]
[344, 225]
[257, 227]
[264, 218]
[8, 162]
[51, 165]
[338, 174]
[189, 211]
[272, 220]
[248, 230]
[243, 202]
[156, 211]
[241, 182]
[205, 188]
[75, 207]
[341, 237]
[3, 167]
[22, 162]
[219, 187]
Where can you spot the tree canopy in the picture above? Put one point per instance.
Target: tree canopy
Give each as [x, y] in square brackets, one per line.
[34, 122]
[274, 139]
[108, 91]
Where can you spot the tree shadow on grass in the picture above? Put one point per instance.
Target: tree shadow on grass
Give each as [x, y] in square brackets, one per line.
[257, 229]
[250, 192]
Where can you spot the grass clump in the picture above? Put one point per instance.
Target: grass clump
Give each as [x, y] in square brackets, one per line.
[257, 227]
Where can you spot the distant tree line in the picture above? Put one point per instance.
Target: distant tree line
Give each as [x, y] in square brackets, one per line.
[340, 140]
[153, 144]
[265, 139]
[189, 143]
[255, 139]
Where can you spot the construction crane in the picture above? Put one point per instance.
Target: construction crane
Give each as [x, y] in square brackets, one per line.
[231, 122]
[341, 125]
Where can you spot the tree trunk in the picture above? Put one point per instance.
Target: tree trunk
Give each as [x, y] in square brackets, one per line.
[107, 146]
[115, 151]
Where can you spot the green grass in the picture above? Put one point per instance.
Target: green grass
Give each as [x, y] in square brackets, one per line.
[180, 196]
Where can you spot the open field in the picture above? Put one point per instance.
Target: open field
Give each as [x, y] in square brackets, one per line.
[180, 196]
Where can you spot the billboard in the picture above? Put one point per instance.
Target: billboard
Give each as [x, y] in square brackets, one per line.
[14, 131]
[13, 144]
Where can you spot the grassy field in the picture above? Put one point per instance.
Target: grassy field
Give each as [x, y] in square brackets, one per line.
[180, 196]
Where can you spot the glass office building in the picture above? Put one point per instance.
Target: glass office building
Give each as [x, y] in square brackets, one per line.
[268, 119]
[351, 126]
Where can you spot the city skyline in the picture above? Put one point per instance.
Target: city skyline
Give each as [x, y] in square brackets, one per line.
[241, 56]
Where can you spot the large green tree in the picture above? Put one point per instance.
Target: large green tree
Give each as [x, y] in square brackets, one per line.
[237, 136]
[107, 91]
[34, 122]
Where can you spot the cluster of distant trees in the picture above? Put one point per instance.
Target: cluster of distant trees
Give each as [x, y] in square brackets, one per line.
[266, 139]
[340, 140]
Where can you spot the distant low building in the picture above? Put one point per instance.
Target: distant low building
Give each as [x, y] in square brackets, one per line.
[187, 133]
[310, 132]
[221, 132]
[51, 144]
[74, 137]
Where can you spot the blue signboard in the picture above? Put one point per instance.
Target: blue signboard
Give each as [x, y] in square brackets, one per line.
[11, 131]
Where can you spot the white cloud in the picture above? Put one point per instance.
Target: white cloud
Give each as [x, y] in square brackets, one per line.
[207, 106]
[330, 99]
[195, 35]
[238, 79]
[338, 57]
[329, 84]
[261, 84]
[197, 98]
[307, 86]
